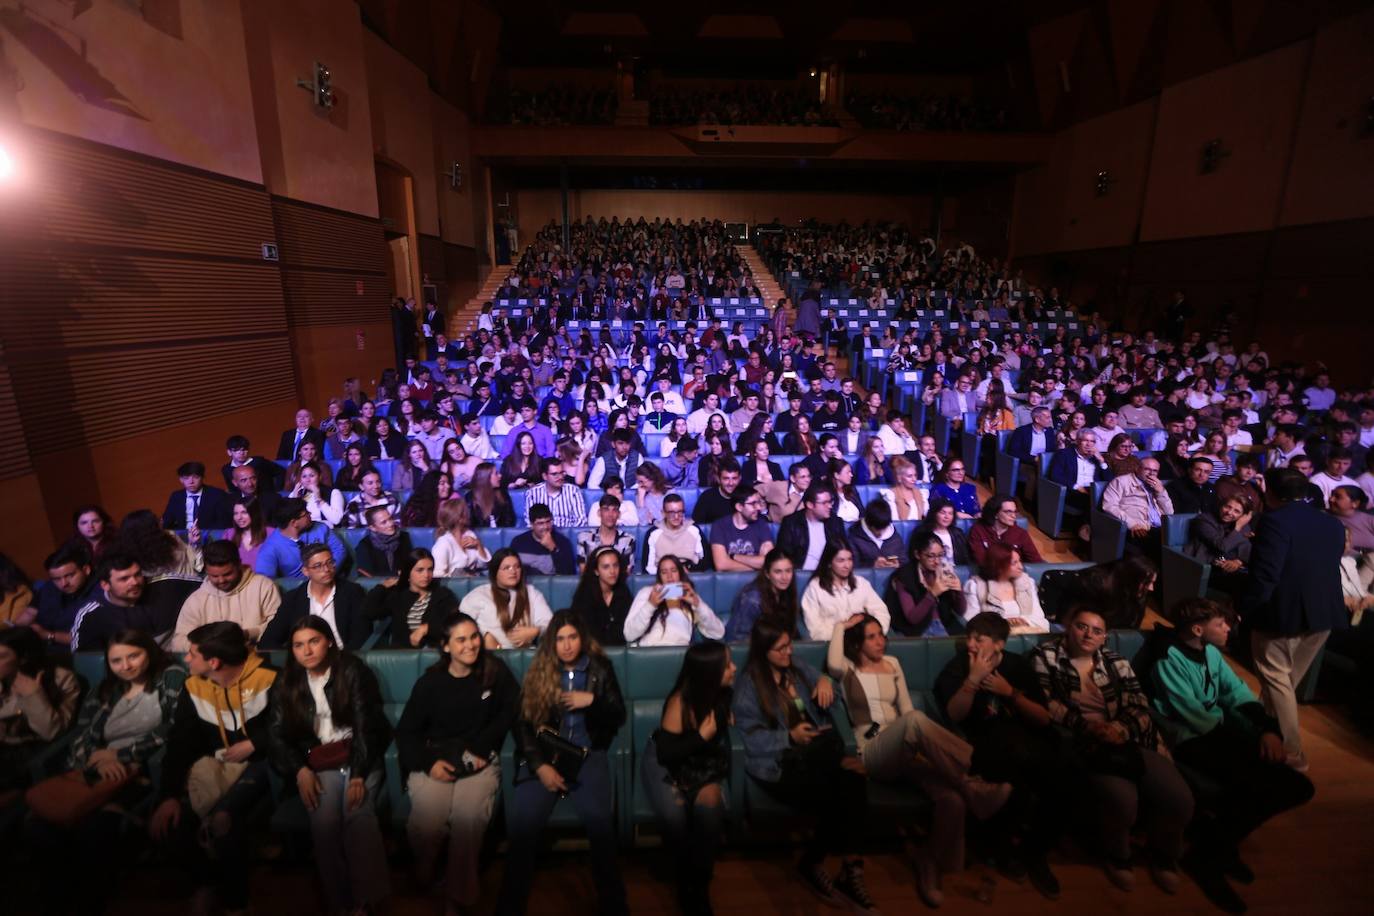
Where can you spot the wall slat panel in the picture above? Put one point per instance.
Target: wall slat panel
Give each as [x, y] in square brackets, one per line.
[14, 449]
[334, 265]
[135, 300]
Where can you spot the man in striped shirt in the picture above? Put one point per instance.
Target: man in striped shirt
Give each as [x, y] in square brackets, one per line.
[563, 499]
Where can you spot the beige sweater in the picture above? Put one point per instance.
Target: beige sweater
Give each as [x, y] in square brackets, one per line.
[251, 604]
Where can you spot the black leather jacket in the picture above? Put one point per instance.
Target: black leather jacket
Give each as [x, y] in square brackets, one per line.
[371, 730]
[604, 716]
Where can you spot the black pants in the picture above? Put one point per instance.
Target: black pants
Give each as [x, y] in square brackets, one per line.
[836, 799]
[1252, 790]
[1043, 770]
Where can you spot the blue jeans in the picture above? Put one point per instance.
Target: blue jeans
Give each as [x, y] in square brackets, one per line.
[591, 793]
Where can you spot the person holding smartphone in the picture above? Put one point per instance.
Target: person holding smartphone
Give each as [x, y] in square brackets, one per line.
[668, 612]
[791, 751]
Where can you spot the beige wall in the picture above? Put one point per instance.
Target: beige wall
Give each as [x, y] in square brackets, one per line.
[538, 207]
[308, 154]
[402, 124]
[177, 90]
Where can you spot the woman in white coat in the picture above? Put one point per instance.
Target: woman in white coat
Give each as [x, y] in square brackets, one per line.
[668, 612]
[1003, 587]
[835, 594]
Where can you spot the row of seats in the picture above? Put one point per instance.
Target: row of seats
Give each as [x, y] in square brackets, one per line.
[646, 676]
[717, 589]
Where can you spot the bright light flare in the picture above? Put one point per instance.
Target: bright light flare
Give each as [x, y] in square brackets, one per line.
[6, 165]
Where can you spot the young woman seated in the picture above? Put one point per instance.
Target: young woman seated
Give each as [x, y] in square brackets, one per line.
[670, 611]
[37, 702]
[412, 600]
[1093, 693]
[510, 614]
[771, 594]
[329, 735]
[122, 725]
[899, 743]
[684, 767]
[602, 597]
[449, 741]
[791, 751]
[835, 594]
[924, 597]
[570, 698]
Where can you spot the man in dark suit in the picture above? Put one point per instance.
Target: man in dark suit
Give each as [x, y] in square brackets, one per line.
[238, 448]
[795, 533]
[1076, 469]
[304, 431]
[1034, 438]
[1294, 598]
[324, 594]
[195, 504]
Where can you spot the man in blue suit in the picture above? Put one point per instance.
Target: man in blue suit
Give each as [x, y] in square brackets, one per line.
[1293, 601]
[1031, 440]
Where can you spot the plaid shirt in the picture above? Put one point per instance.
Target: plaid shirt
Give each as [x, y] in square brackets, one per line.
[589, 541]
[1125, 702]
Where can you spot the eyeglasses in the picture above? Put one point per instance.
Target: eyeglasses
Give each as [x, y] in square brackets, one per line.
[933, 556]
[323, 564]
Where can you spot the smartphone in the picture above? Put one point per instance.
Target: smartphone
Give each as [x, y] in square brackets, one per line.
[672, 591]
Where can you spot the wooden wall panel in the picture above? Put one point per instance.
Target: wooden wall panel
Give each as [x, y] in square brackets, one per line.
[333, 265]
[14, 450]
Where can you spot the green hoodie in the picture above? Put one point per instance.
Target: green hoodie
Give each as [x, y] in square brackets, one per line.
[1196, 691]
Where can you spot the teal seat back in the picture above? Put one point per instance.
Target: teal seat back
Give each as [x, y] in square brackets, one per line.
[651, 671]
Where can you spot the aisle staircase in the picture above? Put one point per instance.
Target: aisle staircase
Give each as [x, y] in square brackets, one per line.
[773, 291]
[464, 321]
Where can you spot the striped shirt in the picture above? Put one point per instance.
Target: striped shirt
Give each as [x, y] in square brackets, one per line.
[568, 507]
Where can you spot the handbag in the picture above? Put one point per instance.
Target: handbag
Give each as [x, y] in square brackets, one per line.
[69, 798]
[208, 780]
[815, 760]
[560, 753]
[332, 756]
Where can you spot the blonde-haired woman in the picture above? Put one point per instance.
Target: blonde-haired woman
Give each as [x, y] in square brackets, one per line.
[907, 501]
[570, 691]
[457, 551]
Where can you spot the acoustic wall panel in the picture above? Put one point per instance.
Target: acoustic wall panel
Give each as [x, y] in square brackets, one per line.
[334, 265]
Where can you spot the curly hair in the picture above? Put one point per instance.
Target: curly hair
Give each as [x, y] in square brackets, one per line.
[542, 683]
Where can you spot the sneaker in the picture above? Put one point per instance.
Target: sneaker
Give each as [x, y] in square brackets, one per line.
[984, 799]
[1298, 762]
[817, 880]
[928, 884]
[850, 887]
[1120, 874]
[1042, 879]
[1165, 876]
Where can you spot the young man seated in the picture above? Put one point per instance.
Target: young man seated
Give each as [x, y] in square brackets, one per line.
[1215, 725]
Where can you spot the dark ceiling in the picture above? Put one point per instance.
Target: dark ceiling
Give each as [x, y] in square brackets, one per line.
[772, 39]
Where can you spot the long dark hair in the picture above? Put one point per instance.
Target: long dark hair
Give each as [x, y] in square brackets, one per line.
[698, 683]
[509, 610]
[422, 509]
[762, 638]
[824, 574]
[111, 688]
[854, 637]
[406, 563]
[33, 660]
[588, 589]
[107, 530]
[256, 527]
[293, 689]
[142, 536]
[778, 605]
[542, 682]
[661, 610]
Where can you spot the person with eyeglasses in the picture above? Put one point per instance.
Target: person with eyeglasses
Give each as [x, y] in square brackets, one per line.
[325, 594]
[1094, 694]
[740, 541]
[1140, 501]
[675, 537]
[803, 535]
[955, 486]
